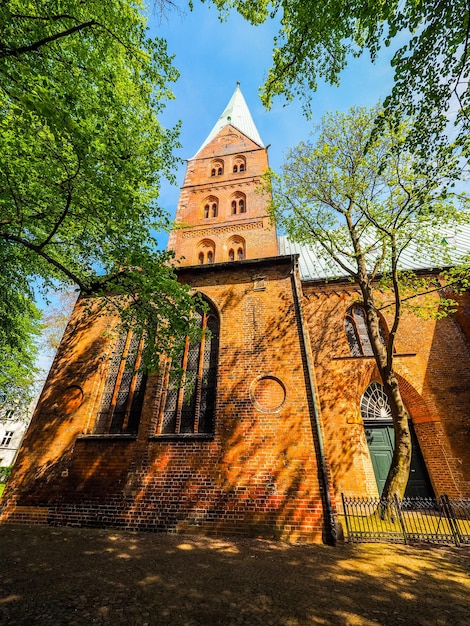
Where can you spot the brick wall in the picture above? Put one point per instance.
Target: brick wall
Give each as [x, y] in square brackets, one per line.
[257, 475]
[431, 363]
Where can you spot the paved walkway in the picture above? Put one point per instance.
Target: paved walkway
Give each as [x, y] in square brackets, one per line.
[68, 576]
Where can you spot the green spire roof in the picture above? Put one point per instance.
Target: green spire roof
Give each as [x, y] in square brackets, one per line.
[238, 115]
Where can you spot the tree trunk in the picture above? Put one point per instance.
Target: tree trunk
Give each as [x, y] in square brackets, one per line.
[399, 472]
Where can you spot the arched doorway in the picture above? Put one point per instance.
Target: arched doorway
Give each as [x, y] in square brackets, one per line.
[378, 426]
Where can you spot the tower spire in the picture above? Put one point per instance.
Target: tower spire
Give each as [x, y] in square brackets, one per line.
[238, 115]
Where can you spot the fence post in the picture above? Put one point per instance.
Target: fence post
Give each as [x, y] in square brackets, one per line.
[449, 513]
[345, 515]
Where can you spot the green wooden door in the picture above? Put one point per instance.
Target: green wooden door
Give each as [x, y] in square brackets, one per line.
[381, 441]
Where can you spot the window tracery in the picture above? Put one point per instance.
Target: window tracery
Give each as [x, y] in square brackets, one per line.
[374, 404]
[189, 399]
[123, 392]
[355, 326]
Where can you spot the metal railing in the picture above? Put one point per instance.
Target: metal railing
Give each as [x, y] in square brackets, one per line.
[410, 520]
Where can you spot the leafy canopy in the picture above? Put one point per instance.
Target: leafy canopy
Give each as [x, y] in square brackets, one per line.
[431, 63]
[364, 199]
[83, 153]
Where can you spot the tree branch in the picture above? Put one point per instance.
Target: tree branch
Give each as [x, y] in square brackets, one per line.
[35, 248]
[5, 51]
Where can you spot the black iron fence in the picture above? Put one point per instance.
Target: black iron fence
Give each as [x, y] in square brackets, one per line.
[443, 520]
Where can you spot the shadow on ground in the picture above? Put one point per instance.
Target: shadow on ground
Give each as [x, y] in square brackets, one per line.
[69, 576]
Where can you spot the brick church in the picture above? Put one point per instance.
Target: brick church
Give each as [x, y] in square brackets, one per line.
[287, 411]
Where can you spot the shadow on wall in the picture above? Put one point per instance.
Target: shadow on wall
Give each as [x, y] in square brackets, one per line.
[44, 460]
[260, 471]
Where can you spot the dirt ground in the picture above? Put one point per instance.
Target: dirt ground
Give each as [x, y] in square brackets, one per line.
[70, 576]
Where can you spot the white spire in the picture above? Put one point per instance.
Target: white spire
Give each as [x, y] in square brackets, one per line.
[238, 115]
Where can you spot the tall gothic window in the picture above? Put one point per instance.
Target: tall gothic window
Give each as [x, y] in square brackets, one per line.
[124, 387]
[355, 326]
[189, 404]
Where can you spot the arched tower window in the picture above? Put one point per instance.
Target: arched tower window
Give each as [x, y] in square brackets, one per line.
[355, 326]
[238, 164]
[217, 167]
[238, 203]
[123, 393]
[189, 400]
[205, 252]
[210, 206]
[236, 248]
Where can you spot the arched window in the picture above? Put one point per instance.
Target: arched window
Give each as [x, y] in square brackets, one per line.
[210, 207]
[205, 252]
[355, 325]
[238, 203]
[217, 168]
[189, 401]
[374, 404]
[236, 247]
[239, 164]
[124, 387]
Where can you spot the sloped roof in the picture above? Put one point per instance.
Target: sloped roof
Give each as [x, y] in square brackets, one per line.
[314, 266]
[238, 115]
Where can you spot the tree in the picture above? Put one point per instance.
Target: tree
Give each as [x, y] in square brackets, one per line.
[360, 200]
[55, 319]
[431, 63]
[83, 152]
[20, 326]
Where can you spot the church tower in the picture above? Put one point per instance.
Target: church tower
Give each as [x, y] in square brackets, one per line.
[221, 216]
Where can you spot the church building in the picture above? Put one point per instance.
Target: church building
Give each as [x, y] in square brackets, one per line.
[287, 411]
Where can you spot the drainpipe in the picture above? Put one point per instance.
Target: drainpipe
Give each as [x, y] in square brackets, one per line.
[330, 525]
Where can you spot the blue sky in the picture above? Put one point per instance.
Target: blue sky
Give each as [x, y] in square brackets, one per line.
[212, 56]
